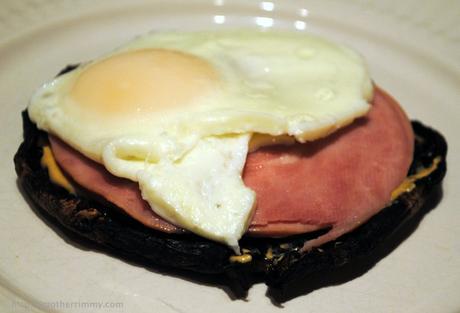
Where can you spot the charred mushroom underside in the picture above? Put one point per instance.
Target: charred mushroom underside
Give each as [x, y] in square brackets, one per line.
[278, 262]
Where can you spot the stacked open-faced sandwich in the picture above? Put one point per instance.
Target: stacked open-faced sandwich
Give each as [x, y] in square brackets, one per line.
[244, 153]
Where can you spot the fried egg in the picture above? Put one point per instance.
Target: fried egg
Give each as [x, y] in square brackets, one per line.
[176, 112]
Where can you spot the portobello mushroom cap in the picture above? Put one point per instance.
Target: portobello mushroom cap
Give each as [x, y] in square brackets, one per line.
[277, 261]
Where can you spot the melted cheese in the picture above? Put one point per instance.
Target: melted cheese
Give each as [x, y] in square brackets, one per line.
[244, 258]
[54, 172]
[409, 183]
[269, 253]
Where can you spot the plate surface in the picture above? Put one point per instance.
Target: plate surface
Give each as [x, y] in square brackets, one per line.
[413, 50]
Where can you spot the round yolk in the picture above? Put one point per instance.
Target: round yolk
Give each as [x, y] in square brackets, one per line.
[143, 81]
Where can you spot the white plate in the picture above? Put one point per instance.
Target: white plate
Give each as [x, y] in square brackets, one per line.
[413, 51]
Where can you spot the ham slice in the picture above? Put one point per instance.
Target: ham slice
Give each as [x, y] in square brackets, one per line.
[337, 182]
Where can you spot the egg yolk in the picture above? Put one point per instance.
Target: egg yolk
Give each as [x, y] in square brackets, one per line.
[143, 81]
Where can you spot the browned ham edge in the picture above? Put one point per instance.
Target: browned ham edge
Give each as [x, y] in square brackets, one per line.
[338, 182]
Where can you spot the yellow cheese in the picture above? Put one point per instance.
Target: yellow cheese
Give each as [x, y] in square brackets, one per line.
[269, 254]
[409, 183]
[244, 258]
[54, 172]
